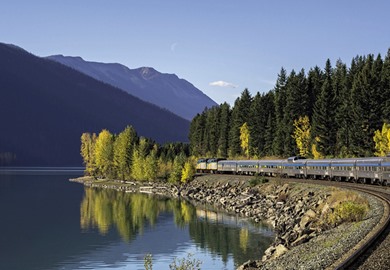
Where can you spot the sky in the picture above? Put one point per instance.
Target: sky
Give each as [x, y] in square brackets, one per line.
[221, 47]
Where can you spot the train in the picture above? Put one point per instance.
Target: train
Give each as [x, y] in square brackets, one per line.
[373, 170]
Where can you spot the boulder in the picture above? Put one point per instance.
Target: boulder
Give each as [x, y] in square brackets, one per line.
[279, 250]
[303, 239]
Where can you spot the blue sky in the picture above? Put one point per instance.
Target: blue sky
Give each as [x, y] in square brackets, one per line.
[222, 47]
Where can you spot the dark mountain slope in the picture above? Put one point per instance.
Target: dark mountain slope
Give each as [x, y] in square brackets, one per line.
[165, 90]
[45, 107]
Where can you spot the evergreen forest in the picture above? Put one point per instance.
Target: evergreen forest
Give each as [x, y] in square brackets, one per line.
[335, 111]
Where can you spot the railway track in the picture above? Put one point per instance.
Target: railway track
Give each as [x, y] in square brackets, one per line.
[373, 251]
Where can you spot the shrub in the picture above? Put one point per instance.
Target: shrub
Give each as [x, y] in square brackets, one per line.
[346, 206]
[257, 180]
[148, 262]
[347, 212]
[185, 263]
[178, 264]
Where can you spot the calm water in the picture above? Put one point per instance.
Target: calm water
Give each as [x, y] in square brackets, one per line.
[48, 222]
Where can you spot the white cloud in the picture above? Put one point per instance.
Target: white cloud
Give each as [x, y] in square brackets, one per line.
[223, 84]
[173, 47]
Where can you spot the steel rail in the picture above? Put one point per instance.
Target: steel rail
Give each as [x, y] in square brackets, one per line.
[365, 243]
[370, 239]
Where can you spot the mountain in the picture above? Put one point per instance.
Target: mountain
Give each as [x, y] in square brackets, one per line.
[165, 90]
[46, 106]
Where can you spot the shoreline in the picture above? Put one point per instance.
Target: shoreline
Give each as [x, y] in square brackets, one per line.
[290, 208]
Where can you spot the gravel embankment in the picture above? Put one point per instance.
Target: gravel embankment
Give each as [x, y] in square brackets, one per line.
[324, 250]
[294, 210]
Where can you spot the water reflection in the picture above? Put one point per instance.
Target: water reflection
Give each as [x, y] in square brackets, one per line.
[213, 232]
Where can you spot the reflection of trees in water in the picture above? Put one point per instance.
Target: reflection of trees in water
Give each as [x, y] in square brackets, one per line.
[223, 236]
[129, 213]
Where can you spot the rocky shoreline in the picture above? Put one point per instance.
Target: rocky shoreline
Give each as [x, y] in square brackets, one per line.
[294, 210]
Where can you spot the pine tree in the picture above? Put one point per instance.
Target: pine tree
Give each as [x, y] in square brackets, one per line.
[196, 136]
[269, 136]
[343, 111]
[364, 109]
[324, 116]
[212, 131]
[224, 124]
[257, 124]
[280, 105]
[315, 79]
[240, 114]
[385, 82]
[262, 107]
[297, 104]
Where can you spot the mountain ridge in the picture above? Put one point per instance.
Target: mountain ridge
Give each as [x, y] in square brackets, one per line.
[46, 106]
[162, 89]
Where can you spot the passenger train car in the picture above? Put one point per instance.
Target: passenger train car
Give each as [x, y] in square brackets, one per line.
[375, 170]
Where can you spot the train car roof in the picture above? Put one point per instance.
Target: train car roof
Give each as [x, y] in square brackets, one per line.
[227, 161]
[368, 161]
[252, 161]
[296, 162]
[270, 161]
[318, 161]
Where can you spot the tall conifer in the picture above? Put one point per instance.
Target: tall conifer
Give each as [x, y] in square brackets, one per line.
[324, 115]
[280, 105]
[240, 115]
[224, 127]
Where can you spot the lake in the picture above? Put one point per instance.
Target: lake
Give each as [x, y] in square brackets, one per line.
[48, 222]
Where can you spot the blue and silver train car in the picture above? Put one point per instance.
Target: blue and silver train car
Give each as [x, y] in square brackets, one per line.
[270, 167]
[385, 173]
[250, 167]
[375, 170]
[343, 169]
[227, 166]
[368, 170]
[318, 168]
[294, 167]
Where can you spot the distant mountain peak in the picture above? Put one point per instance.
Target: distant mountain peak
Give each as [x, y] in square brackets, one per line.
[15, 47]
[148, 72]
[166, 91]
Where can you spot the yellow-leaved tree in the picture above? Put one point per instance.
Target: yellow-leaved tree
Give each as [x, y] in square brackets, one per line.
[316, 154]
[382, 141]
[188, 171]
[244, 137]
[302, 135]
[88, 152]
[104, 152]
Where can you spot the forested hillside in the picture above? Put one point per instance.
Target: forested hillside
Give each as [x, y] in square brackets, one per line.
[329, 112]
[46, 106]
